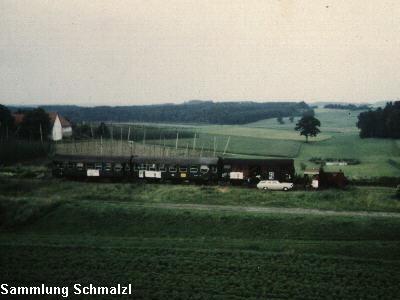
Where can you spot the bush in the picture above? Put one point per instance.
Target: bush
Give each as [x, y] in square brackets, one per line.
[13, 151]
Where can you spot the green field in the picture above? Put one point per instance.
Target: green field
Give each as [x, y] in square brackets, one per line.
[178, 241]
[238, 145]
[332, 120]
[338, 139]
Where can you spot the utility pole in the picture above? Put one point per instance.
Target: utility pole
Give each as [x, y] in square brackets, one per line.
[101, 145]
[112, 139]
[163, 153]
[227, 143]
[194, 142]
[215, 143]
[41, 133]
[176, 142]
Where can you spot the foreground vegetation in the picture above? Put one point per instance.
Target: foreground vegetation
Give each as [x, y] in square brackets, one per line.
[369, 198]
[60, 233]
[14, 150]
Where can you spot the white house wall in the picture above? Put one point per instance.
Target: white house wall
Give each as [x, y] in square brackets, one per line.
[57, 132]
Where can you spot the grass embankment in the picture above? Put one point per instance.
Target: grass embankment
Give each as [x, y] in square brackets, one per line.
[198, 254]
[351, 199]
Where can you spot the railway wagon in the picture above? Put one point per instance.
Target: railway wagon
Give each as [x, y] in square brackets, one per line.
[198, 169]
[176, 169]
[239, 171]
[81, 166]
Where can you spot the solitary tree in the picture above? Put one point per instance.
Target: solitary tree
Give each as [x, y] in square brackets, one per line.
[308, 126]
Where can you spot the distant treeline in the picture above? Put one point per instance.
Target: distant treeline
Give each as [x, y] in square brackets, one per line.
[347, 106]
[381, 123]
[193, 112]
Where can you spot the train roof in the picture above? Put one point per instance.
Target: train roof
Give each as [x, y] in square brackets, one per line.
[90, 158]
[140, 159]
[177, 160]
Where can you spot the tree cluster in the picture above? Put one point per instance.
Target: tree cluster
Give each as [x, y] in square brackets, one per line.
[380, 123]
[6, 122]
[347, 106]
[35, 124]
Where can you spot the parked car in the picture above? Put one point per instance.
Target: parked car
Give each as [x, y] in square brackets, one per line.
[274, 185]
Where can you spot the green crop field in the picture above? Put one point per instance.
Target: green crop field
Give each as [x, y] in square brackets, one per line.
[238, 145]
[156, 238]
[332, 120]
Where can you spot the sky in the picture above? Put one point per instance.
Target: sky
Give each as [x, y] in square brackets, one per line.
[132, 52]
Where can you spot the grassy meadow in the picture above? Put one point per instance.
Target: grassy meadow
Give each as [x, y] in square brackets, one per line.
[338, 139]
[63, 232]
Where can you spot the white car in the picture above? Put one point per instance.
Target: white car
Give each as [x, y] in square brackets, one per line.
[274, 185]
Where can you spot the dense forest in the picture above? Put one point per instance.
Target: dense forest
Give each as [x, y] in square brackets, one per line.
[347, 106]
[381, 123]
[190, 112]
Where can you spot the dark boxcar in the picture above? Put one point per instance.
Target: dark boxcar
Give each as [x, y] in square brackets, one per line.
[237, 170]
[81, 166]
[175, 169]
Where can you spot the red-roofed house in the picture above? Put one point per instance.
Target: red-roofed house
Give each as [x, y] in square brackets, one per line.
[60, 127]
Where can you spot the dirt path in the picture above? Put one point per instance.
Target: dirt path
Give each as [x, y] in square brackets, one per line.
[270, 210]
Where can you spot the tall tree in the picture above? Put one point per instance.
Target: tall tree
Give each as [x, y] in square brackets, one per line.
[36, 124]
[308, 126]
[6, 121]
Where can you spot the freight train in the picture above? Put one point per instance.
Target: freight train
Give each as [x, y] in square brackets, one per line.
[169, 169]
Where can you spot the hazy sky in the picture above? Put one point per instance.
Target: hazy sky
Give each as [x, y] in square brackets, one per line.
[135, 52]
